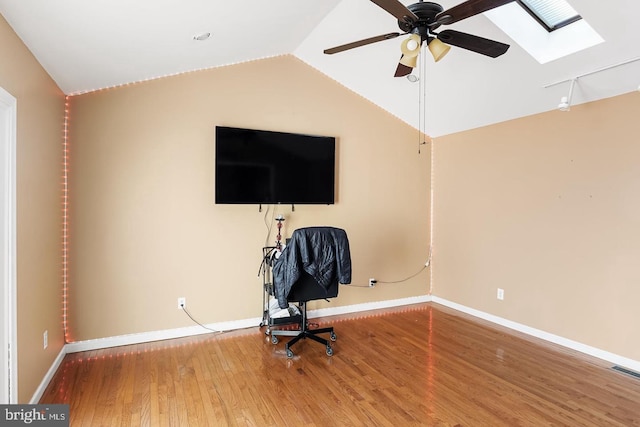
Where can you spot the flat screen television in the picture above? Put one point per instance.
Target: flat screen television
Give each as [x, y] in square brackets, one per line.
[266, 167]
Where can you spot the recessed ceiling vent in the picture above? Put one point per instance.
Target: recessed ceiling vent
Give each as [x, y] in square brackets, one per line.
[202, 37]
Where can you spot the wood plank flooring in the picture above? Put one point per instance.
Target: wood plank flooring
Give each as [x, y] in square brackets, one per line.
[422, 365]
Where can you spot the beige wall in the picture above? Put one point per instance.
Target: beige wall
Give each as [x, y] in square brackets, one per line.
[145, 229]
[548, 208]
[39, 158]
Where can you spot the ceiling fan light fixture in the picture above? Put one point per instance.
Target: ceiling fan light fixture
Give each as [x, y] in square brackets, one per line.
[409, 61]
[438, 49]
[411, 46]
[420, 20]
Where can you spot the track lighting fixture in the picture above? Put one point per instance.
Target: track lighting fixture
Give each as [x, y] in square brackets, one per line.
[565, 101]
[564, 104]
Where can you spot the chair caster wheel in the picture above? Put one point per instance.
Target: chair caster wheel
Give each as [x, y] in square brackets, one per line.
[329, 351]
[289, 353]
[274, 339]
[333, 336]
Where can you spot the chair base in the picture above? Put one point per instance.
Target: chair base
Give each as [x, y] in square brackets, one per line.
[305, 333]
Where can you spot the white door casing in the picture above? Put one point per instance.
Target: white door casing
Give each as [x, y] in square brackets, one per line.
[8, 284]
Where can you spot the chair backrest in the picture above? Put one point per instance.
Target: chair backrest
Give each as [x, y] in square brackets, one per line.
[307, 289]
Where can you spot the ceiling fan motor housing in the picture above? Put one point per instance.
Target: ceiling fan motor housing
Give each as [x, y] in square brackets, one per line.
[426, 13]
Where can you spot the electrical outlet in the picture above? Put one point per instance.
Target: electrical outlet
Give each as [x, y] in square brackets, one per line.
[372, 282]
[182, 303]
[500, 294]
[45, 340]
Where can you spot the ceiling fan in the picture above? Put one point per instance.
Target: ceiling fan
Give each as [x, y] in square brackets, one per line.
[421, 20]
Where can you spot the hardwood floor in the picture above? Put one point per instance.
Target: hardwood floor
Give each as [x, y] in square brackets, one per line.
[421, 365]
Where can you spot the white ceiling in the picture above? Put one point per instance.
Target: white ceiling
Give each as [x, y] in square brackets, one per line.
[89, 45]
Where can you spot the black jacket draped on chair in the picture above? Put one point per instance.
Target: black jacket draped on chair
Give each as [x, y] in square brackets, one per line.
[322, 252]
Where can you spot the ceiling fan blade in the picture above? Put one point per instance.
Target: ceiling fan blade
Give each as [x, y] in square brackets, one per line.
[402, 70]
[476, 44]
[397, 9]
[467, 9]
[359, 43]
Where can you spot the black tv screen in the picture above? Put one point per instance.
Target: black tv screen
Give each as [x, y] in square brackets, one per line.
[266, 167]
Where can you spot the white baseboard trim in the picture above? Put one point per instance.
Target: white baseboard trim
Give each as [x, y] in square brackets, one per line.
[357, 308]
[556, 339]
[48, 377]
[167, 334]
[129, 339]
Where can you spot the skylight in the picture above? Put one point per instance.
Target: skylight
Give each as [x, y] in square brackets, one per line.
[543, 45]
[551, 14]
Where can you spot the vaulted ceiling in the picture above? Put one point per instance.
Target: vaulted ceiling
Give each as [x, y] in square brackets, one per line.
[89, 45]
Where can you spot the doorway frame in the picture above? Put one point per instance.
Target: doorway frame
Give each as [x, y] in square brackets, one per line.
[8, 265]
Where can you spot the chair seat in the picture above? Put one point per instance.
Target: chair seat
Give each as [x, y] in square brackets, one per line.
[307, 289]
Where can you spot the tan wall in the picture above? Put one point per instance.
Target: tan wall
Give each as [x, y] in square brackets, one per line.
[39, 158]
[546, 207]
[145, 229]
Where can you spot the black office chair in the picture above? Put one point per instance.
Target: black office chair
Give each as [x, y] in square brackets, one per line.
[311, 267]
